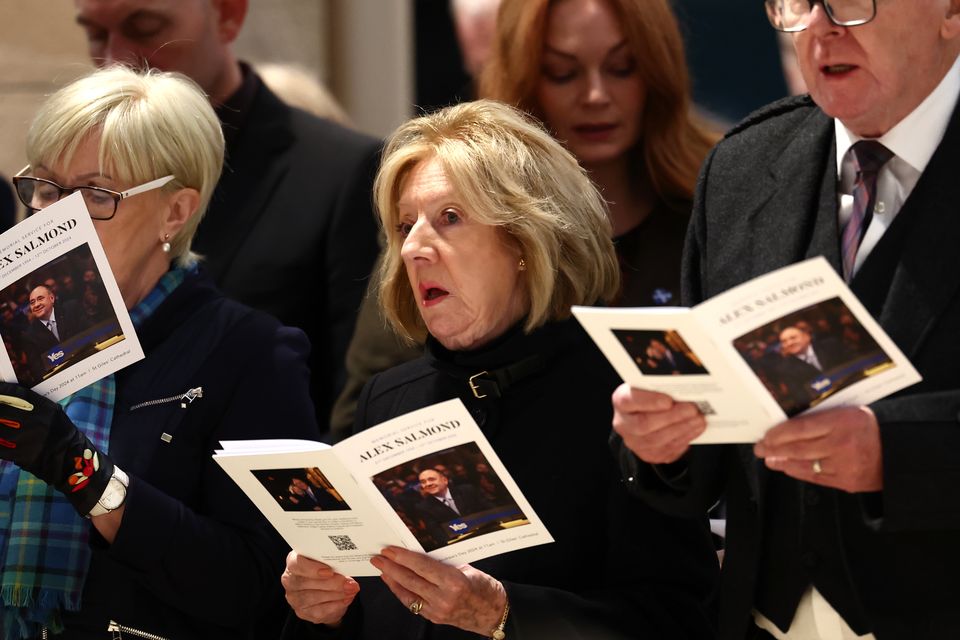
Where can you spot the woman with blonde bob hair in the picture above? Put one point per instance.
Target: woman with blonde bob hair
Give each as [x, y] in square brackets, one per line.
[158, 540]
[609, 79]
[493, 231]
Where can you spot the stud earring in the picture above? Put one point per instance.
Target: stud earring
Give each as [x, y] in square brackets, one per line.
[166, 245]
[522, 266]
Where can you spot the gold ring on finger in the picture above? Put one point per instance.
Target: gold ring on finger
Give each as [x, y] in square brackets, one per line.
[817, 467]
[415, 607]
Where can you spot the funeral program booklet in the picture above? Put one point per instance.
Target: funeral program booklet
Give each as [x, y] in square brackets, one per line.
[427, 480]
[790, 341]
[62, 319]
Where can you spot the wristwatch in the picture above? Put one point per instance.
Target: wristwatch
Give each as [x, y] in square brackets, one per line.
[114, 494]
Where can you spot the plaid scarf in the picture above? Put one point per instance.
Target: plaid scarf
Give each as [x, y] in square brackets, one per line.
[43, 542]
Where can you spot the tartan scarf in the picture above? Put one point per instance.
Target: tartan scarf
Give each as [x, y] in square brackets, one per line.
[43, 541]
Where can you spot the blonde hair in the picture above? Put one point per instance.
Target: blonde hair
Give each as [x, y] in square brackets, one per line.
[510, 173]
[674, 143]
[151, 124]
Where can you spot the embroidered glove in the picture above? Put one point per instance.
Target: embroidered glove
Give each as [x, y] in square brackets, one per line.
[37, 436]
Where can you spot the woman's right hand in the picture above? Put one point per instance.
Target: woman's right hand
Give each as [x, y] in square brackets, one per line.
[655, 427]
[315, 592]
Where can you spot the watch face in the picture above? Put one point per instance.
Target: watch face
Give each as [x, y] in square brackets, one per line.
[114, 495]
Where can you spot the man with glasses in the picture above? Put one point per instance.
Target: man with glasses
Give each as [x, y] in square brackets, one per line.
[844, 523]
[292, 211]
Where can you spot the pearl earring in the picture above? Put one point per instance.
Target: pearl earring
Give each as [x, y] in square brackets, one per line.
[166, 245]
[522, 266]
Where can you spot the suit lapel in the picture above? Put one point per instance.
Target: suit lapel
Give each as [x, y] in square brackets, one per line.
[794, 213]
[249, 180]
[924, 278]
[793, 217]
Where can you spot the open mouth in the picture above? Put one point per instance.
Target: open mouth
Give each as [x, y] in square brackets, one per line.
[432, 294]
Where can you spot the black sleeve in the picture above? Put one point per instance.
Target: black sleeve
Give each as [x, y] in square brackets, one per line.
[220, 559]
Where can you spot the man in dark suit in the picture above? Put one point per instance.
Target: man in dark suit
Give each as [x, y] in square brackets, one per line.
[52, 324]
[308, 498]
[443, 502]
[290, 228]
[663, 361]
[842, 523]
[803, 362]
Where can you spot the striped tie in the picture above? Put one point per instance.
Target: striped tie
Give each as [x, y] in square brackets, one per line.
[868, 157]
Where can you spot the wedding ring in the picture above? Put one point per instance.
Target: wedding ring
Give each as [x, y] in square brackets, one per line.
[817, 469]
[416, 606]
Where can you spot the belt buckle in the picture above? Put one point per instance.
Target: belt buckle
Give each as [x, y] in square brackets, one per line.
[473, 385]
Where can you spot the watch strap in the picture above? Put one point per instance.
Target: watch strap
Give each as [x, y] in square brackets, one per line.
[104, 506]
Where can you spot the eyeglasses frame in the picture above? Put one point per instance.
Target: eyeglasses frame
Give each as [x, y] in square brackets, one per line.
[116, 195]
[828, 11]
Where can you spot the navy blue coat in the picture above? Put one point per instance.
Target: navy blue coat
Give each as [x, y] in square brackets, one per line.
[194, 558]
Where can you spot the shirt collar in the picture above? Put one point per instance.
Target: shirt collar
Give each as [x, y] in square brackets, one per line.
[917, 136]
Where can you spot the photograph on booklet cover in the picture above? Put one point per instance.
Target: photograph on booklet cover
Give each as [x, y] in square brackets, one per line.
[63, 320]
[660, 352]
[448, 496]
[301, 489]
[57, 316]
[809, 354]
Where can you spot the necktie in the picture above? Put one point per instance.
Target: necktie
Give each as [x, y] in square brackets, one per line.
[868, 158]
[449, 503]
[52, 325]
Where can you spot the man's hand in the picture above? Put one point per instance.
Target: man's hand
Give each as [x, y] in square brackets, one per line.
[837, 448]
[654, 427]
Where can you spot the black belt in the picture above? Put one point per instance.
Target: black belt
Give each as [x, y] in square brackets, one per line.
[495, 382]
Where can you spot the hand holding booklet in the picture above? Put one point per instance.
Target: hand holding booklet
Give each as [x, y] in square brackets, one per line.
[791, 341]
[427, 480]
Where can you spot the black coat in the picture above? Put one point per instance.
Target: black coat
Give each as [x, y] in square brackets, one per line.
[194, 558]
[618, 569]
[767, 198]
[290, 229]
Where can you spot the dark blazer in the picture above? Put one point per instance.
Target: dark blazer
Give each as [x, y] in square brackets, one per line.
[194, 558]
[798, 375]
[436, 514]
[618, 569]
[767, 198]
[290, 228]
[37, 339]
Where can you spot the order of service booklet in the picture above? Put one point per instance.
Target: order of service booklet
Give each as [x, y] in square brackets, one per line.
[53, 268]
[427, 480]
[790, 341]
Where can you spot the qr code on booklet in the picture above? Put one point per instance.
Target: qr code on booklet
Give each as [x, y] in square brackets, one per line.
[343, 543]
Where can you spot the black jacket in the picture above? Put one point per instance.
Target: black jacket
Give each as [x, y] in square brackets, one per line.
[888, 561]
[194, 558]
[290, 229]
[618, 569]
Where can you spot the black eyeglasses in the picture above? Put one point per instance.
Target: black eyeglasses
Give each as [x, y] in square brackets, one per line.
[795, 15]
[38, 193]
